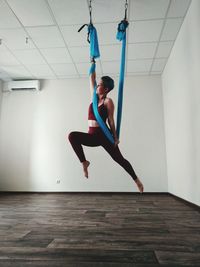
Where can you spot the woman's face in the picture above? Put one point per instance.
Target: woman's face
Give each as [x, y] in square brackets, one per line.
[101, 90]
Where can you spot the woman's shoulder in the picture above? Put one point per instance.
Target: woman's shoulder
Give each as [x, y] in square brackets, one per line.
[108, 101]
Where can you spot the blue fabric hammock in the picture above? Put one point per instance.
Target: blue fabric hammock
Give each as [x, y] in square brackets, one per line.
[94, 53]
[94, 44]
[121, 36]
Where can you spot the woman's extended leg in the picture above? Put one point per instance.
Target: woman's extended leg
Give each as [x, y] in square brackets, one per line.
[117, 156]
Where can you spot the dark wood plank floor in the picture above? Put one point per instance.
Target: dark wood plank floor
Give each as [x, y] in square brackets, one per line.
[98, 229]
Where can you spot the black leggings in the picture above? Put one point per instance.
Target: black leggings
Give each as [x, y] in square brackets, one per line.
[97, 138]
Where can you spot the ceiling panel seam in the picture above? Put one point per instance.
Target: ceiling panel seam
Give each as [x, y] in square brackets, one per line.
[66, 46]
[21, 64]
[178, 30]
[30, 38]
[156, 50]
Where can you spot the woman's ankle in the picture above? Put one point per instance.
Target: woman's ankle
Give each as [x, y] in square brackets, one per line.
[85, 164]
[139, 185]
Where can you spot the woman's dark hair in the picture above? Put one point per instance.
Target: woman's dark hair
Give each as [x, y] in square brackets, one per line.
[108, 82]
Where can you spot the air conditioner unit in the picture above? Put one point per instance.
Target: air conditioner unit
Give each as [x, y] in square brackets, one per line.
[22, 85]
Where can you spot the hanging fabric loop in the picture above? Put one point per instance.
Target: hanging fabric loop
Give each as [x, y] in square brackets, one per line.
[93, 40]
[121, 30]
[121, 36]
[94, 53]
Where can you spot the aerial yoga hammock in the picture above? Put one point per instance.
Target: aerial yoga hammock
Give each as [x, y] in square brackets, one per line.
[94, 53]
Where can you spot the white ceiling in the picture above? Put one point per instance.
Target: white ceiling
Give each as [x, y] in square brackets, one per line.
[55, 50]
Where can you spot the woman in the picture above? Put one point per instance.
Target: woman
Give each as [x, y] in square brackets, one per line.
[95, 136]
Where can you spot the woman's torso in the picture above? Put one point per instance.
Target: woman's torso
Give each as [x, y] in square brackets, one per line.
[92, 122]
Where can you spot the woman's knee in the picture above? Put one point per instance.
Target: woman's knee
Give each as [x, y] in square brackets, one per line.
[72, 137]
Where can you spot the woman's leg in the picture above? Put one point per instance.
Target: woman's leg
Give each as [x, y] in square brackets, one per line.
[117, 156]
[77, 139]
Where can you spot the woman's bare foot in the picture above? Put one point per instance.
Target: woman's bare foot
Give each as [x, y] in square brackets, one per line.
[139, 185]
[85, 167]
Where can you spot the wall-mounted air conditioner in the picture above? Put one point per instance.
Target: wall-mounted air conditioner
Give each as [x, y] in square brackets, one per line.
[25, 85]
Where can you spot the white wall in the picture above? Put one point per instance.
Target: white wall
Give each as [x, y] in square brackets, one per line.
[181, 92]
[1, 85]
[35, 152]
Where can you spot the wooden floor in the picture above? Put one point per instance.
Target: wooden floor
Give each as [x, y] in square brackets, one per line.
[98, 229]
